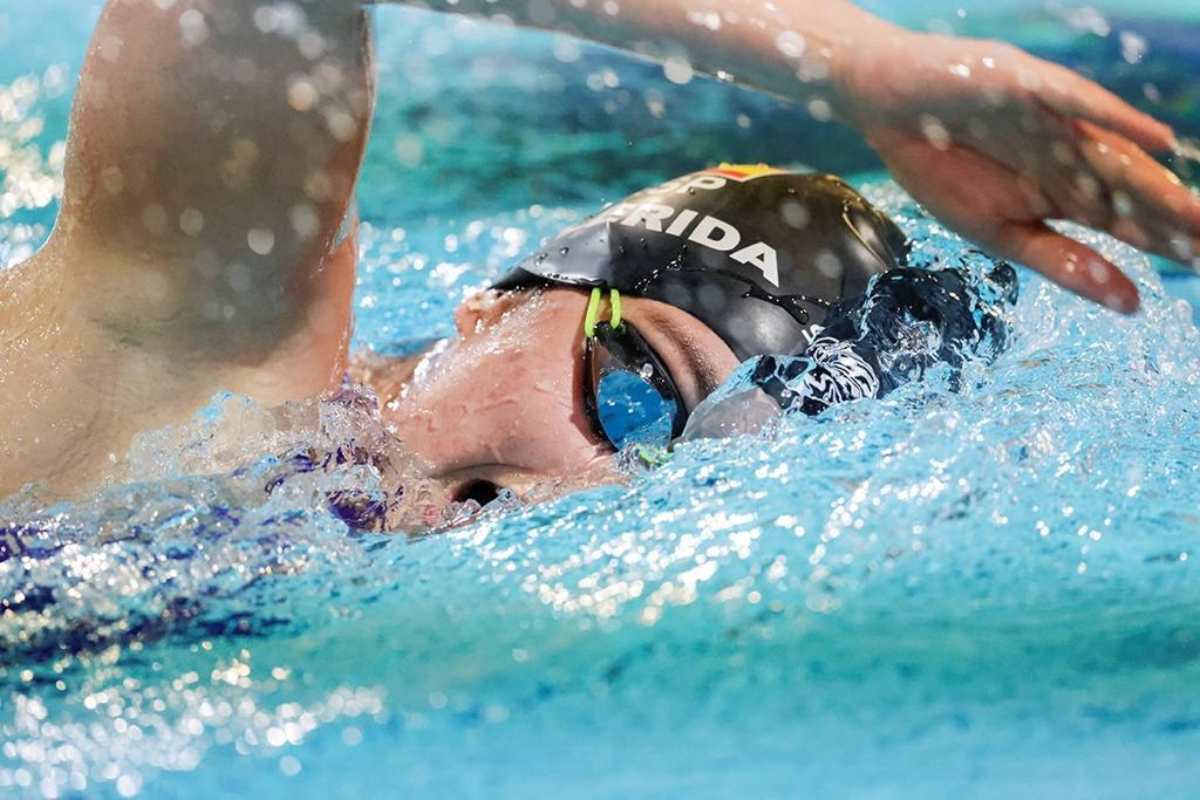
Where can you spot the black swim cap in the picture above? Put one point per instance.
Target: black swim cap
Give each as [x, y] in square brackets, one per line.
[757, 254]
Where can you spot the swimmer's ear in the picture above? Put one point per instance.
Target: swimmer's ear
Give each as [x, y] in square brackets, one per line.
[482, 309]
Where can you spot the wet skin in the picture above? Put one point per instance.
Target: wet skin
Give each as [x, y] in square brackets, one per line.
[503, 402]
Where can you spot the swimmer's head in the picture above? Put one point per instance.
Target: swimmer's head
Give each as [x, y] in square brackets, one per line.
[710, 269]
[756, 253]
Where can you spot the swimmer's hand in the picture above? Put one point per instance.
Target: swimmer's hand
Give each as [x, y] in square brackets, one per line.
[995, 143]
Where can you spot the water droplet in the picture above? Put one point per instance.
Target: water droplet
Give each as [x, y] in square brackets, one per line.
[820, 110]
[678, 70]
[791, 44]
[1133, 47]
[191, 222]
[261, 241]
[154, 217]
[935, 132]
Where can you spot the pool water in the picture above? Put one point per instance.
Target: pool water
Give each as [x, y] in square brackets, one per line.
[988, 593]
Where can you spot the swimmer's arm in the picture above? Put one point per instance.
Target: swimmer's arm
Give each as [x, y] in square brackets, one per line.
[211, 157]
[797, 50]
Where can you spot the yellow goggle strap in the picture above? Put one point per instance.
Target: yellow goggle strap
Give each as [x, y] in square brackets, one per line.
[593, 310]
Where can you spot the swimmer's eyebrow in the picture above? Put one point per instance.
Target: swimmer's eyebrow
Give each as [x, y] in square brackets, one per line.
[701, 367]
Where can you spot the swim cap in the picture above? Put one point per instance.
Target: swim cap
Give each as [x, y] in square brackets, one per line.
[757, 254]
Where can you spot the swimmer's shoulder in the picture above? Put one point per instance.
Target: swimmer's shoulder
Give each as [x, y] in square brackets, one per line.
[34, 295]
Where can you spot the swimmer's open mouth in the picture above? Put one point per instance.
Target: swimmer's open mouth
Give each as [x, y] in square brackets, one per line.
[479, 490]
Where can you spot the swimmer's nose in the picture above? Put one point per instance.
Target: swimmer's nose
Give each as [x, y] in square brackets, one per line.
[483, 308]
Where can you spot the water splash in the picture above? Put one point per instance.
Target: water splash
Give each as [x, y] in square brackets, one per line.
[1044, 508]
[994, 582]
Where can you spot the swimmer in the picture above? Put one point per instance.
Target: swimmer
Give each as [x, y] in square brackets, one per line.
[211, 162]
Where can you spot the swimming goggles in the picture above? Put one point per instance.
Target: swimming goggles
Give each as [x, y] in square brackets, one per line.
[628, 394]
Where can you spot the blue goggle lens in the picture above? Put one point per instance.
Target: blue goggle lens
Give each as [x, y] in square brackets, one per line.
[632, 411]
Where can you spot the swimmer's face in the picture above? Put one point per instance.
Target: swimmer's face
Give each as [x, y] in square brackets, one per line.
[502, 405]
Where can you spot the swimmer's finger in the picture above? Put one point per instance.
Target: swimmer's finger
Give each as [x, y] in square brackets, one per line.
[989, 203]
[1068, 263]
[1131, 196]
[1141, 188]
[1074, 96]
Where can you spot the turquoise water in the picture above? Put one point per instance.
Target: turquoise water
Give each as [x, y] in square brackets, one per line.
[990, 593]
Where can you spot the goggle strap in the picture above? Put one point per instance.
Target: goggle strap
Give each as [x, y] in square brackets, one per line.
[593, 311]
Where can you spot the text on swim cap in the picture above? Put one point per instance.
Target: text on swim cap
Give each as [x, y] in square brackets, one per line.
[690, 183]
[709, 231]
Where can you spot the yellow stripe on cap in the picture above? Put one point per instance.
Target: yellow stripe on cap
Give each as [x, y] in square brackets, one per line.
[745, 172]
